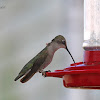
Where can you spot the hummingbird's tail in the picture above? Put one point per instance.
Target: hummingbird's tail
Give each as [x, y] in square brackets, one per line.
[27, 76]
[19, 76]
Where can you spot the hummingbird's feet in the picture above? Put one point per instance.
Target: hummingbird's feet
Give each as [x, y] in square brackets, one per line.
[44, 73]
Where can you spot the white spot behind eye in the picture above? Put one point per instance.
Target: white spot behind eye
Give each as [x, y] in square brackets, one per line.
[63, 40]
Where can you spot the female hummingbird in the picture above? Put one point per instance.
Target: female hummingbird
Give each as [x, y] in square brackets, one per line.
[42, 59]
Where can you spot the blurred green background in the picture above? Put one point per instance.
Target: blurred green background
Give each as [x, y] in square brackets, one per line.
[25, 28]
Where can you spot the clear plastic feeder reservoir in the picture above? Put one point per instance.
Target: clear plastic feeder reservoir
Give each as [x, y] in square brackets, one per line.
[91, 25]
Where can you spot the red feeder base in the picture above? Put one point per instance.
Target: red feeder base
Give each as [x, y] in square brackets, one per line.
[84, 75]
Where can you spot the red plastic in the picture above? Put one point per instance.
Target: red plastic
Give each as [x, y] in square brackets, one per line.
[84, 75]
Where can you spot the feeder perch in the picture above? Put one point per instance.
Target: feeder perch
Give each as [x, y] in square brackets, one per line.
[86, 74]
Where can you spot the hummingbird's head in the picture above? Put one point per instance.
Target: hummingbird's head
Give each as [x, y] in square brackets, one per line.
[60, 42]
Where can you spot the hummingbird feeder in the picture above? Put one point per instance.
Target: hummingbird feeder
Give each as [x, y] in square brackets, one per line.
[85, 74]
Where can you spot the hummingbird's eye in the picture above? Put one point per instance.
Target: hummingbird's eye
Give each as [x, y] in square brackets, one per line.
[63, 42]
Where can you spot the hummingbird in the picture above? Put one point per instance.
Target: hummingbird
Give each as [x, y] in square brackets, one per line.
[42, 59]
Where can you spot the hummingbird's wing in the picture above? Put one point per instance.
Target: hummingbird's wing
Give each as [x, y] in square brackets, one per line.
[37, 64]
[32, 66]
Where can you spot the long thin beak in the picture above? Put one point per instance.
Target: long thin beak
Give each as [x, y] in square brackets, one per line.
[70, 55]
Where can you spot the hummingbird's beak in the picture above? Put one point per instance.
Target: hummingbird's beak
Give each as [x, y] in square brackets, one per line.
[70, 54]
